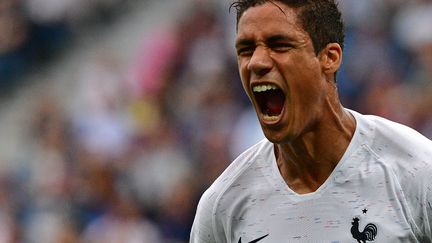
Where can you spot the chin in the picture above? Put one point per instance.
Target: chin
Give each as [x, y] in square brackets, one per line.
[278, 137]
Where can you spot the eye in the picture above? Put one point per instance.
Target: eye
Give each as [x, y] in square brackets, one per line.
[280, 46]
[245, 51]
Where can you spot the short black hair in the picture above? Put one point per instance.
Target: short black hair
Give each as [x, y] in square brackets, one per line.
[321, 19]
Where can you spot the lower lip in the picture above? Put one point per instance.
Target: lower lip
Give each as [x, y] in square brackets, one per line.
[272, 120]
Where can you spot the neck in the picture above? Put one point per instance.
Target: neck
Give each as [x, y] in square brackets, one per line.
[308, 161]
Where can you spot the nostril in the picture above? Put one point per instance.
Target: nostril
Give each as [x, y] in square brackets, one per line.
[262, 71]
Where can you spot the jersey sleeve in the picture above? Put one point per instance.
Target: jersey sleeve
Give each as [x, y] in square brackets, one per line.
[419, 192]
[426, 204]
[202, 228]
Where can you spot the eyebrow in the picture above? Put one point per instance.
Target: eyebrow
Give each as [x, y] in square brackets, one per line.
[277, 38]
[271, 39]
[244, 42]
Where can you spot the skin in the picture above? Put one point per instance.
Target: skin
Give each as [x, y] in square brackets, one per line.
[313, 131]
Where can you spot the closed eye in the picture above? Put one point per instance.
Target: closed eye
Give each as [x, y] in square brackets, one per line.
[280, 47]
[245, 47]
[280, 43]
[245, 51]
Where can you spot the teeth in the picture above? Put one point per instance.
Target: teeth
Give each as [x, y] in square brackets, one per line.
[270, 118]
[264, 87]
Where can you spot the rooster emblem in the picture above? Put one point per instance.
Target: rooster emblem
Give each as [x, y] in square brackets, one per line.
[368, 234]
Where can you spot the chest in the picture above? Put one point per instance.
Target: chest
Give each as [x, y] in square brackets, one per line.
[369, 209]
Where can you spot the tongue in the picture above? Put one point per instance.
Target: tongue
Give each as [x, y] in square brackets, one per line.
[274, 103]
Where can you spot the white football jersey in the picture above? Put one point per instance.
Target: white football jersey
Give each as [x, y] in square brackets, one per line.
[380, 191]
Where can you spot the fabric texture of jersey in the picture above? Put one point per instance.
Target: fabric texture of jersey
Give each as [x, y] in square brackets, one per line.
[380, 191]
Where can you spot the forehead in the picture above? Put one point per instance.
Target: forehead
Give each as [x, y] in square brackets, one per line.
[271, 17]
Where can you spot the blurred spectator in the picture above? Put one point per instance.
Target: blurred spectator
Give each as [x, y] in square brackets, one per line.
[99, 119]
[148, 75]
[158, 167]
[176, 215]
[49, 226]
[8, 225]
[246, 132]
[418, 42]
[122, 222]
[15, 49]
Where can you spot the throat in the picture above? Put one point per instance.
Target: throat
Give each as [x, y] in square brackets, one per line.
[302, 175]
[308, 161]
[301, 183]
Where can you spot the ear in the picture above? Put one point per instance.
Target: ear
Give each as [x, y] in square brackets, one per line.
[331, 59]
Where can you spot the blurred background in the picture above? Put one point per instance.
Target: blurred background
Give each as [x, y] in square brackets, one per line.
[115, 115]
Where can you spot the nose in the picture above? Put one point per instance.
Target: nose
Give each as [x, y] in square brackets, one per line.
[261, 61]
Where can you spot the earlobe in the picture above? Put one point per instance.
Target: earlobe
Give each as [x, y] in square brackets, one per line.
[331, 58]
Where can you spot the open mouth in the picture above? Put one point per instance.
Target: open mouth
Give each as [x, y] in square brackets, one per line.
[270, 100]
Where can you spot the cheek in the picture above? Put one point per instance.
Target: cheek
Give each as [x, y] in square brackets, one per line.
[306, 85]
[244, 76]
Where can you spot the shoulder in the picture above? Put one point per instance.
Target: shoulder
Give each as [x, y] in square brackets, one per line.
[406, 152]
[390, 139]
[240, 166]
[403, 150]
[407, 156]
[204, 225]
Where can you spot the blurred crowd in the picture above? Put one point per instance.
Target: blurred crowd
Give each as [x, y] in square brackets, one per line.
[128, 160]
[32, 32]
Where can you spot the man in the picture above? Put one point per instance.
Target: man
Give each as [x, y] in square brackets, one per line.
[324, 173]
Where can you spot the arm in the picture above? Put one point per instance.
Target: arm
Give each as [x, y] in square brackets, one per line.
[202, 229]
